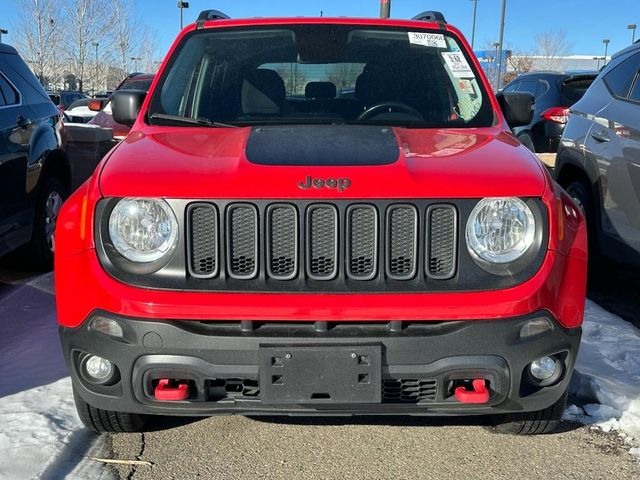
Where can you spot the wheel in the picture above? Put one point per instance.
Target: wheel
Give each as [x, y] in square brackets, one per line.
[107, 421]
[532, 423]
[580, 192]
[48, 207]
[526, 140]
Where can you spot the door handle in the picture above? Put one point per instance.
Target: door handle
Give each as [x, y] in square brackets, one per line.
[601, 136]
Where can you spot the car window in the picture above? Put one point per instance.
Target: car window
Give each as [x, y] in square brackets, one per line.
[530, 86]
[292, 75]
[635, 92]
[620, 78]
[511, 87]
[83, 102]
[543, 87]
[133, 84]
[8, 93]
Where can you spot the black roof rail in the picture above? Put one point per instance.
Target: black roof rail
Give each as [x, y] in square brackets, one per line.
[430, 16]
[206, 15]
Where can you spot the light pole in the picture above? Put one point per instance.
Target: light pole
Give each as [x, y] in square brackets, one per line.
[606, 48]
[500, 40]
[3, 31]
[473, 27]
[632, 27]
[495, 65]
[95, 87]
[182, 6]
[135, 63]
[385, 8]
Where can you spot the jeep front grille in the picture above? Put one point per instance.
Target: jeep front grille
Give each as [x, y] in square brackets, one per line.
[321, 242]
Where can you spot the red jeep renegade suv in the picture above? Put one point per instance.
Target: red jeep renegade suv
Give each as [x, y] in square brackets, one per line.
[320, 216]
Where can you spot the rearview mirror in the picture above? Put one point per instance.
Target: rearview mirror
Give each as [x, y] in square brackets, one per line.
[517, 107]
[125, 105]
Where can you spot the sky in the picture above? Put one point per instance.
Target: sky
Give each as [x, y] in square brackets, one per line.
[586, 22]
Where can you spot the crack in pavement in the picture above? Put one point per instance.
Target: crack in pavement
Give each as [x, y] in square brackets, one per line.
[134, 468]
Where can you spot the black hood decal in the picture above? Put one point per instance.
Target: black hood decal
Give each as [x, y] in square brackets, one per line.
[322, 145]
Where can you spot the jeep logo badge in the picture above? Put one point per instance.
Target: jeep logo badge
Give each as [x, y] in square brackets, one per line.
[340, 183]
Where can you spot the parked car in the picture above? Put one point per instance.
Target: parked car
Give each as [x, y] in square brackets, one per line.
[246, 250]
[63, 99]
[554, 93]
[34, 170]
[598, 162]
[135, 81]
[79, 111]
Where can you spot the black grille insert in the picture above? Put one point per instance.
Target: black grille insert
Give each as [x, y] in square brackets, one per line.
[362, 242]
[408, 390]
[441, 241]
[242, 241]
[282, 238]
[322, 242]
[203, 240]
[402, 241]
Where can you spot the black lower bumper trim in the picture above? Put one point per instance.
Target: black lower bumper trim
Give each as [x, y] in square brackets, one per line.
[357, 369]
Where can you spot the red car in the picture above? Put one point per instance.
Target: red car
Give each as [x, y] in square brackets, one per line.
[104, 118]
[259, 244]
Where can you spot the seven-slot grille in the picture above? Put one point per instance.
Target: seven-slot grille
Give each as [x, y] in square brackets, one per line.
[319, 240]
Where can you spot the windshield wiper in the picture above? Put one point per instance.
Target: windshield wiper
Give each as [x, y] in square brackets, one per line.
[190, 121]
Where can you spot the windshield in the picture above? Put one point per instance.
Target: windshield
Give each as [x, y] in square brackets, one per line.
[332, 74]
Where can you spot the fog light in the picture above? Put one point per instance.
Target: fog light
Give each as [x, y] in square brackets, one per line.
[98, 368]
[543, 368]
[107, 326]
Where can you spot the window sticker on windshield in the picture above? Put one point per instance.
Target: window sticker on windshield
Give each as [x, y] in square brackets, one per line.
[466, 86]
[434, 40]
[458, 65]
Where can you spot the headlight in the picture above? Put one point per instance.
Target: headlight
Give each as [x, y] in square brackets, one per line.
[143, 230]
[500, 230]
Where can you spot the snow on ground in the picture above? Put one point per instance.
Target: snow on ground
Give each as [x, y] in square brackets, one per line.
[42, 437]
[608, 374]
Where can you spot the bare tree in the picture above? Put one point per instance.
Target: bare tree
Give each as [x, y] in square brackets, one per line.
[344, 75]
[36, 33]
[295, 80]
[517, 64]
[551, 45]
[86, 24]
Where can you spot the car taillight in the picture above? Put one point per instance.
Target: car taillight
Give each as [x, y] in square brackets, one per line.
[556, 114]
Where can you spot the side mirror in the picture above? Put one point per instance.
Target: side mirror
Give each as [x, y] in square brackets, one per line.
[517, 107]
[125, 105]
[95, 105]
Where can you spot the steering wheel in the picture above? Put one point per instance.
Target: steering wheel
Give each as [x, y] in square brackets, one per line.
[387, 107]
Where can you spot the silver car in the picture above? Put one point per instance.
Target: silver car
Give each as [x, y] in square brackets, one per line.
[598, 160]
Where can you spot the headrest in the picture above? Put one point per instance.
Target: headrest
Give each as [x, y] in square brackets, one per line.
[320, 90]
[263, 93]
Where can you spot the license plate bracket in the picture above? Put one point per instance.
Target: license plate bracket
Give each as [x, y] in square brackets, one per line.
[316, 375]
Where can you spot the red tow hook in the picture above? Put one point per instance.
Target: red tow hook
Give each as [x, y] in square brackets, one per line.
[479, 394]
[166, 393]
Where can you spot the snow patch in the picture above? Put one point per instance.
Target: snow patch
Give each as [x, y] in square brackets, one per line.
[608, 374]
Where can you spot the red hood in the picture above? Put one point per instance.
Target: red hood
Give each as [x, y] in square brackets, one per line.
[211, 163]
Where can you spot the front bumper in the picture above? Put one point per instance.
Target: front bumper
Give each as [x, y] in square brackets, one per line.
[412, 367]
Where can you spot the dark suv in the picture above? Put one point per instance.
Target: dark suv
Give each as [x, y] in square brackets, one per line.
[34, 171]
[554, 93]
[599, 158]
[63, 100]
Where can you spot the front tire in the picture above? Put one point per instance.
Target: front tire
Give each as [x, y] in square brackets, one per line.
[108, 421]
[532, 423]
[580, 192]
[48, 207]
